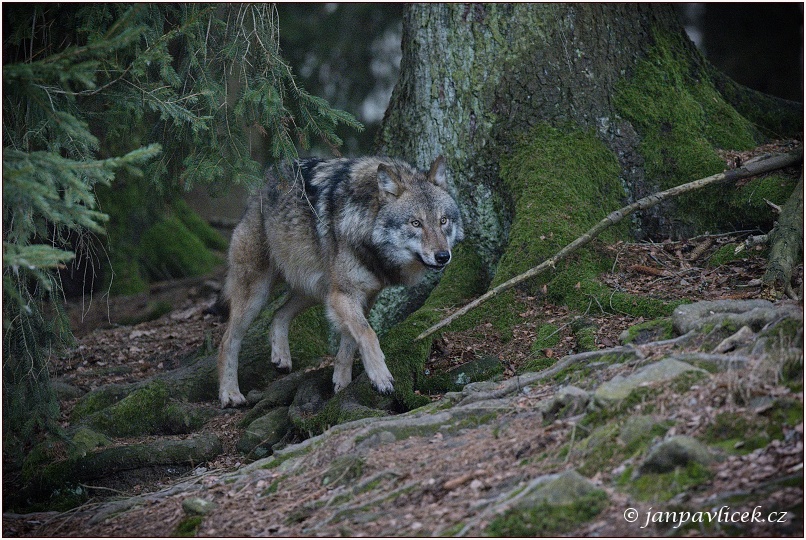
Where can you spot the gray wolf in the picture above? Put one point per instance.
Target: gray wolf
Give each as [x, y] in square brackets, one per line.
[337, 232]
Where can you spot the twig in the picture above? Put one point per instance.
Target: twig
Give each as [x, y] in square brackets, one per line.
[752, 169]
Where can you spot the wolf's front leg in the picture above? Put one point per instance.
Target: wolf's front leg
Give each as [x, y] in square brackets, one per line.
[347, 313]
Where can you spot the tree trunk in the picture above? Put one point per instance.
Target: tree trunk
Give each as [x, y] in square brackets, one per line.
[551, 116]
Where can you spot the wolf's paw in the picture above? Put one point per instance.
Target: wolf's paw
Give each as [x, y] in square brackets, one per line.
[340, 381]
[282, 361]
[382, 381]
[232, 398]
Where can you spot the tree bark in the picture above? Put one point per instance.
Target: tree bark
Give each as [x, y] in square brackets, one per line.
[475, 77]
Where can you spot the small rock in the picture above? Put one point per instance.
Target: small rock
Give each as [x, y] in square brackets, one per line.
[558, 489]
[635, 428]
[619, 387]
[677, 451]
[376, 439]
[568, 400]
[264, 432]
[197, 506]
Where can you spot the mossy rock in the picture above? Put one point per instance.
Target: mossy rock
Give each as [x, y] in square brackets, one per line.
[662, 487]
[639, 430]
[674, 452]
[85, 440]
[210, 237]
[748, 202]
[99, 399]
[619, 388]
[654, 330]
[148, 410]
[560, 504]
[261, 434]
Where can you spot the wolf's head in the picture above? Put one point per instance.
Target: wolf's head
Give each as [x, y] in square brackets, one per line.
[418, 220]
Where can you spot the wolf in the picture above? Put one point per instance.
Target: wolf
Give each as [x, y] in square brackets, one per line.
[337, 231]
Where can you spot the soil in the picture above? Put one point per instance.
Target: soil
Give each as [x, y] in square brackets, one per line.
[452, 473]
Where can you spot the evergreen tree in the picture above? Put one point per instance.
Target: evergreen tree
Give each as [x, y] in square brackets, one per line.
[160, 96]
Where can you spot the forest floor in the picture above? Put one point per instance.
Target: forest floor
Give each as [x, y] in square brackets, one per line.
[456, 471]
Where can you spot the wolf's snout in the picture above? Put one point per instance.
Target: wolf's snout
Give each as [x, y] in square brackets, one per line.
[442, 257]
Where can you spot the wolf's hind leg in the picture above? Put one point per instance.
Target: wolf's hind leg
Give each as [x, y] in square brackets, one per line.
[347, 313]
[280, 350]
[343, 365]
[247, 291]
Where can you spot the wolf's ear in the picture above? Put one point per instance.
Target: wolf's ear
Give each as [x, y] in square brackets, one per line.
[436, 175]
[388, 181]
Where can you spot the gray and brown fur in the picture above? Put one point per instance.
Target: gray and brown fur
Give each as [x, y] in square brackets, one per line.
[337, 231]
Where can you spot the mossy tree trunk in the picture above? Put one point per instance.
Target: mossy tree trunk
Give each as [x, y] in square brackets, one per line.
[550, 116]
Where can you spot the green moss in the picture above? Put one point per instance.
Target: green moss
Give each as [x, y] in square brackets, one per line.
[272, 489]
[727, 253]
[188, 527]
[210, 237]
[97, 400]
[662, 487]
[149, 240]
[537, 364]
[546, 519]
[614, 442]
[132, 205]
[576, 286]
[741, 434]
[563, 182]
[585, 332]
[547, 336]
[168, 249]
[682, 119]
[748, 201]
[654, 330]
[148, 410]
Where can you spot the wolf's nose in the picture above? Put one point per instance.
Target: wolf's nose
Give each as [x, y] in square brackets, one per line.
[442, 257]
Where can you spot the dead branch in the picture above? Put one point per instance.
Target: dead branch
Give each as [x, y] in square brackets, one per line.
[778, 161]
[786, 245]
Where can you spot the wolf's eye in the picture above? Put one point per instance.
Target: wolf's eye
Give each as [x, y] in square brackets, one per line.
[443, 221]
[416, 223]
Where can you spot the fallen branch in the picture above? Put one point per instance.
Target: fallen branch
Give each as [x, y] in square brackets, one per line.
[786, 245]
[750, 169]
